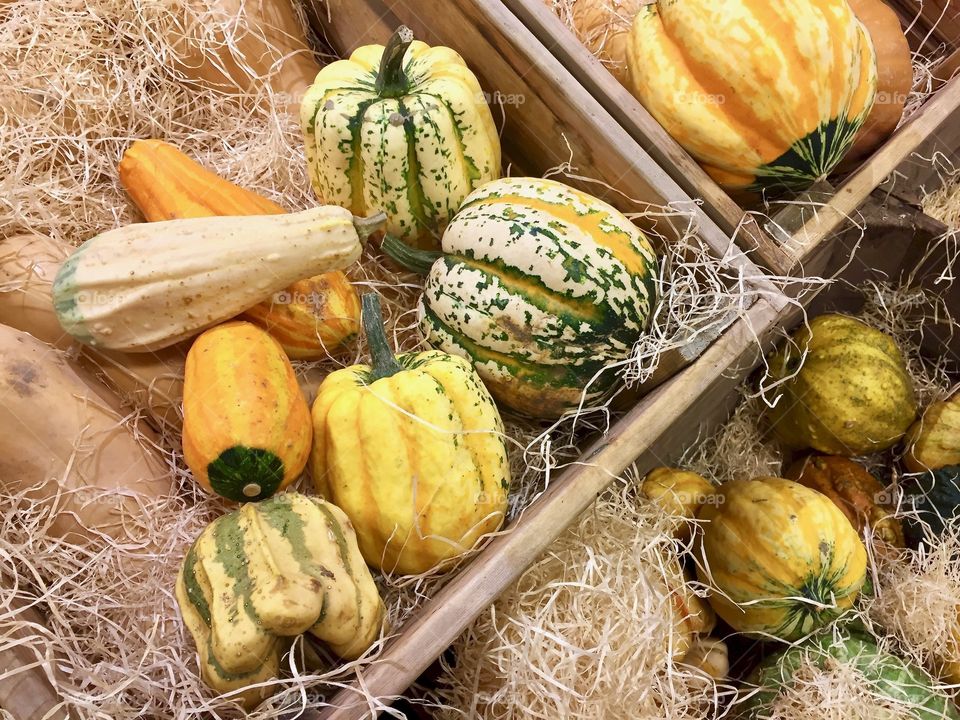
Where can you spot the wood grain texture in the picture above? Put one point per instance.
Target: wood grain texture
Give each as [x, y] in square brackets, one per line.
[701, 391]
[940, 115]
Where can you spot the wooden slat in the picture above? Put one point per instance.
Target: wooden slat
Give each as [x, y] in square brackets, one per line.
[680, 404]
[931, 22]
[812, 236]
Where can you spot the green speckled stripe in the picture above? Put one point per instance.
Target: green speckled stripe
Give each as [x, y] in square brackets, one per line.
[192, 585]
[230, 543]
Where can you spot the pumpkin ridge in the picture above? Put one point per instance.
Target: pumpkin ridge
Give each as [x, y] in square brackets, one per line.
[572, 310]
[594, 223]
[421, 209]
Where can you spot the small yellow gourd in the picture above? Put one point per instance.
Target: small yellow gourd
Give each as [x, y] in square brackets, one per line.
[262, 575]
[679, 493]
[411, 449]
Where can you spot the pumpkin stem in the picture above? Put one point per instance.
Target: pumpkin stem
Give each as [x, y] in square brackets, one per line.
[391, 79]
[412, 259]
[366, 226]
[384, 362]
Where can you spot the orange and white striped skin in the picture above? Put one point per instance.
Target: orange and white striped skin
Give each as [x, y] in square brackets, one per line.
[742, 83]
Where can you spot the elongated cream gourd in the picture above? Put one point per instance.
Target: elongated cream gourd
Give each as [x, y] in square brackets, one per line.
[147, 286]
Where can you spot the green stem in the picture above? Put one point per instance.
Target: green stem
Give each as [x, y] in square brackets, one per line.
[391, 79]
[384, 362]
[366, 226]
[412, 259]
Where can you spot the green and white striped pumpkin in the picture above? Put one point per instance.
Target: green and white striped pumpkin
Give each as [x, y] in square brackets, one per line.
[541, 286]
[404, 129]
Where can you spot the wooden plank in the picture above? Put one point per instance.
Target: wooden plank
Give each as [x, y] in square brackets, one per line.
[931, 23]
[701, 389]
[810, 238]
[560, 41]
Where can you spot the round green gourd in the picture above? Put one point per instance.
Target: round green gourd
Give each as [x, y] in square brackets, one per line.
[887, 676]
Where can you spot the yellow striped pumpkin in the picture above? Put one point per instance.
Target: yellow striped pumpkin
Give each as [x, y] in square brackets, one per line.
[781, 559]
[246, 426]
[402, 129]
[258, 577]
[763, 94]
[412, 450]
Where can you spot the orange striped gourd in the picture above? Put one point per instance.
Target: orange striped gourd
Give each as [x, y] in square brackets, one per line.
[312, 318]
[246, 426]
[765, 95]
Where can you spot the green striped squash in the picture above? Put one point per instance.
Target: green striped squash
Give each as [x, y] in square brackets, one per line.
[262, 575]
[897, 688]
[542, 287]
[403, 129]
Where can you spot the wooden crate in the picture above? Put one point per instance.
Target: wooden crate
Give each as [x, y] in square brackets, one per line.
[549, 119]
[795, 241]
[658, 431]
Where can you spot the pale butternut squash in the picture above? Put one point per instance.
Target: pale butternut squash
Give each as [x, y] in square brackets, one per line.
[65, 447]
[152, 382]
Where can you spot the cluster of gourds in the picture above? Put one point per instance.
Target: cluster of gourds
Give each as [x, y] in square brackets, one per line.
[532, 290]
[765, 96]
[783, 558]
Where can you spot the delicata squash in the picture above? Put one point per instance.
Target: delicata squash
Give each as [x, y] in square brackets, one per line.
[147, 286]
[411, 449]
[311, 318]
[258, 577]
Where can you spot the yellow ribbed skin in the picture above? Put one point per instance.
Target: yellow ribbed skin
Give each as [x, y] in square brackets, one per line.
[240, 394]
[760, 93]
[416, 460]
[266, 573]
[781, 559]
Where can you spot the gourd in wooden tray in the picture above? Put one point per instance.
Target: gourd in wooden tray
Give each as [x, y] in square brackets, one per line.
[680, 102]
